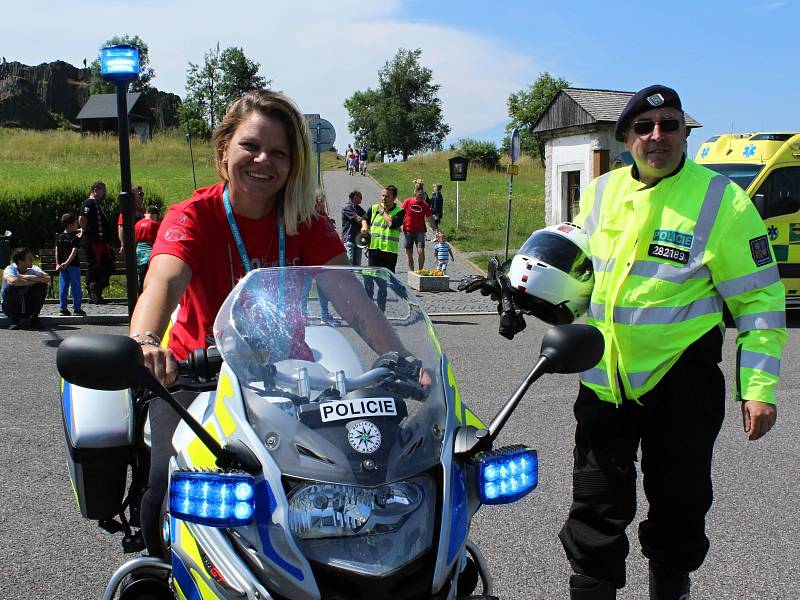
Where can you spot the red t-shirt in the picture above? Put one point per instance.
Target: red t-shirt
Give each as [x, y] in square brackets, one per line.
[197, 232]
[146, 231]
[414, 220]
[137, 216]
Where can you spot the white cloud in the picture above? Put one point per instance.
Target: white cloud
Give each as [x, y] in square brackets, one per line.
[317, 52]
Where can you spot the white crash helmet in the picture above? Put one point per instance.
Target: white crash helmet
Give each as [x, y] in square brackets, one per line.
[554, 266]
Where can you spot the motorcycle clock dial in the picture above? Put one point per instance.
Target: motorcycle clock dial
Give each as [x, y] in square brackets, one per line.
[364, 436]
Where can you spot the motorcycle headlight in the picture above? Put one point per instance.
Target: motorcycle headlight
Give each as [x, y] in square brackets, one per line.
[322, 510]
[370, 531]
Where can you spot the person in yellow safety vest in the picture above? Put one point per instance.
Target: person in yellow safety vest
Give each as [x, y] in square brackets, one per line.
[383, 221]
[670, 241]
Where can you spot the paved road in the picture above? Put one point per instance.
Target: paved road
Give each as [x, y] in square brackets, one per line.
[48, 552]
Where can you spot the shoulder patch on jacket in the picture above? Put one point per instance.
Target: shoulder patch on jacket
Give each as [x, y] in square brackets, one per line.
[759, 248]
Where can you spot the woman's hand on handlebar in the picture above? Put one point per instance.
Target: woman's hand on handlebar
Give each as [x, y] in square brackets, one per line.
[161, 363]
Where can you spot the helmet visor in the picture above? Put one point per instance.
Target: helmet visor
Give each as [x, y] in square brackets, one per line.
[558, 251]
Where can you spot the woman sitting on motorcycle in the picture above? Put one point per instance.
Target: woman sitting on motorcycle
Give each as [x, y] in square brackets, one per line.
[262, 214]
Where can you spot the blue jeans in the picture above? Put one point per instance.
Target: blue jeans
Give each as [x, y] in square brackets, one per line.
[70, 278]
[353, 253]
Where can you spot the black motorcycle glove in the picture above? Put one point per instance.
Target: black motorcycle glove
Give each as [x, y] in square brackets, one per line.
[484, 285]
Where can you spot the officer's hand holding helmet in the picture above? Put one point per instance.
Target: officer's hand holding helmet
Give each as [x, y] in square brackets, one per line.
[552, 274]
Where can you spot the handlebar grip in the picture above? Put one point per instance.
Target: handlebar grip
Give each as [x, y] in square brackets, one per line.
[202, 363]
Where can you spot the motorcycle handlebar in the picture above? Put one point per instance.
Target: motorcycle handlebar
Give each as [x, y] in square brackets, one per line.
[202, 364]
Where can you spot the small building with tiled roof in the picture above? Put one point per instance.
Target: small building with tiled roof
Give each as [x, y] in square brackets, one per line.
[99, 115]
[578, 131]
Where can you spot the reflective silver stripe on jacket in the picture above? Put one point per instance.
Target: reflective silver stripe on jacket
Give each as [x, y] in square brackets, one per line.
[600, 265]
[671, 273]
[597, 311]
[639, 378]
[763, 362]
[765, 320]
[594, 215]
[666, 315]
[708, 215]
[596, 376]
[751, 281]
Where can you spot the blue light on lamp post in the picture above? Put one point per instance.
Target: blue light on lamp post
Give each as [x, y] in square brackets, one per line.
[120, 65]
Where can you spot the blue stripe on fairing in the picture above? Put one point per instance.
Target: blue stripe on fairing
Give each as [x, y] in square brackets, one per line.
[66, 403]
[265, 505]
[184, 579]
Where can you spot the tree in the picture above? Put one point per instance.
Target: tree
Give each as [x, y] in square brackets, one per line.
[484, 154]
[526, 106]
[146, 73]
[223, 77]
[404, 114]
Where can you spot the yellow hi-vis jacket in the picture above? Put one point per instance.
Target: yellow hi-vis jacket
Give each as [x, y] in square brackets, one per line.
[383, 237]
[665, 258]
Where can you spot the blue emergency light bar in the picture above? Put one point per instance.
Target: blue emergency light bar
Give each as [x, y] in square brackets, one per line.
[119, 64]
[507, 474]
[214, 499]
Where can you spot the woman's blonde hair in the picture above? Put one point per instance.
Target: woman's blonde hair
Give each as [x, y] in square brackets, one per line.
[298, 193]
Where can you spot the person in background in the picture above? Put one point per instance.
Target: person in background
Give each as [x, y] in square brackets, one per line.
[24, 289]
[417, 212]
[363, 157]
[383, 221]
[419, 184]
[145, 234]
[352, 217]
[437, 202]
[95, 238]
[443, 251]
[138, 214]
[69, 267]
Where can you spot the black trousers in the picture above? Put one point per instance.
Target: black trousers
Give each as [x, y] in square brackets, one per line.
[163, 422]
[379, 258]
[24, 301]
[676, 425]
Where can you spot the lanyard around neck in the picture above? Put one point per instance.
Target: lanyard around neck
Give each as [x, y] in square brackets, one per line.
[237, 236]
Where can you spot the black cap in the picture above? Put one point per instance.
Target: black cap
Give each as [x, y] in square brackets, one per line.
[653, 96]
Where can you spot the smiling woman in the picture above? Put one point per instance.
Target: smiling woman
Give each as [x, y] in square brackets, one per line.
[261, 214]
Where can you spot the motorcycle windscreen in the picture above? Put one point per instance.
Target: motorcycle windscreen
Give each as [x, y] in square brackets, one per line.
[340, 371]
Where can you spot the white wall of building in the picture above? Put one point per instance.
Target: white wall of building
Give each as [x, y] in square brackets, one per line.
[574, 153]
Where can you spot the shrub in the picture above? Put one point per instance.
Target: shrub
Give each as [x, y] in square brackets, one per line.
[484, 154]
[35, 219]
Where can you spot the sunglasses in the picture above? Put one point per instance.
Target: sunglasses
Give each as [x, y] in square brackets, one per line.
[645, 127]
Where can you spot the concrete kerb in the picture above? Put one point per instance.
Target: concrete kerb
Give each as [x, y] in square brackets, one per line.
[118, 319]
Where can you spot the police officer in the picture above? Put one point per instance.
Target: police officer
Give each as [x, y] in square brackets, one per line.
[670, 241]
[382, 222]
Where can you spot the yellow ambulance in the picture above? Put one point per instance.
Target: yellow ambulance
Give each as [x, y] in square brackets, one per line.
[767, 166]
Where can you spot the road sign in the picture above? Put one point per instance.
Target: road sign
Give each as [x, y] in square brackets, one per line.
[458, 168]
[513, 169]
[515, 145]
[323, 135]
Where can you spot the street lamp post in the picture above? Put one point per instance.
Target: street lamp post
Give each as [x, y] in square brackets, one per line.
[120, 65]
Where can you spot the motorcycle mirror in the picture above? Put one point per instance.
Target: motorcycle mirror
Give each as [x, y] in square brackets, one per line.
[100, 361]
[572, 348]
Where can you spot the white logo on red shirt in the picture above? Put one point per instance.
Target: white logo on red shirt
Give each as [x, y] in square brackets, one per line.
[175, 234]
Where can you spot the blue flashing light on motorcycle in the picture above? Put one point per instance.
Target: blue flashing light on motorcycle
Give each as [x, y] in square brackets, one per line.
[507, 474]
[213, 499]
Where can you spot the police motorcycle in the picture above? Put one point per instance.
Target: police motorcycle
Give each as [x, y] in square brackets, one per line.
[308, 466]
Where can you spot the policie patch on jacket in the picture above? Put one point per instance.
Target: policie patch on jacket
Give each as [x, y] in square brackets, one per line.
[759, 248]
[668, 253]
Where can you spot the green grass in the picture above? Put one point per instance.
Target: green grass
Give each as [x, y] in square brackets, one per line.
[483, 199]
[39, 160]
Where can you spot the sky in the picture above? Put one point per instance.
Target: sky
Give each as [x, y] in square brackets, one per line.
[733, 63]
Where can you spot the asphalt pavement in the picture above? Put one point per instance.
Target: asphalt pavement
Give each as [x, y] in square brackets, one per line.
[49, 552]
